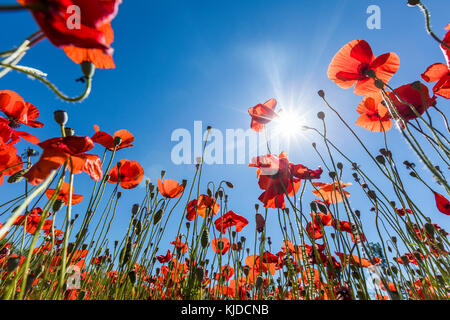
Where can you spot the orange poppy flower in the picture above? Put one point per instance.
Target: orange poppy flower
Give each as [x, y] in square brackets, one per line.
[200, 206]
[412, 96]
[262, 114]
[220, 246]
[374, 116]
[225, 274]
[230, 219]
[330, 191]
[354, 260]
[350, 65]
[59, 150]
[257, 264]
[170, 188]
[178, 244]
[128, 173]
[98, 57]
[53, 18]
[107, 141]
[441, 73]
[18, 111]
[64, 194]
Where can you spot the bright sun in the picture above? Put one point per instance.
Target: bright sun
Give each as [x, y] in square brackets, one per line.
[289, 123]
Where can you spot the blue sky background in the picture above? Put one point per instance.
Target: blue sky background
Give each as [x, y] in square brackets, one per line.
[181, 61]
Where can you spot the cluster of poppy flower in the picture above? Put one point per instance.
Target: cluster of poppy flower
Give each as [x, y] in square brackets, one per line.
[302, 271]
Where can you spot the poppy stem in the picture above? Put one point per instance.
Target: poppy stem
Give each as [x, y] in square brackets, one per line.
[426, 14]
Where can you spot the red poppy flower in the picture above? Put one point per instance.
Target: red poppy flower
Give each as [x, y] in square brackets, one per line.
[228, 220]
[178, 244]
[128, 173]
[354, 260]
[200, 206]
[343, 226]
[98, 57]
[18, 111]
[314, 231]
[107, 141]
[220, 246]
[53, 15]
[442, 203]
[352, 61]
[32, 221]
[165, 258]
[262, 114]
[59, 150]
[64, 194]
[11, 136]
[10, 162]
[276, 178]
[330, 192]
[374, 116]
[170, 188]
[441, 73]
[402, 212]
[412, 96]
[226, 272]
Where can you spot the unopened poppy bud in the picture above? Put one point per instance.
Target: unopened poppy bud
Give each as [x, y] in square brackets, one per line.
[229, 184]
[321, 93]
[208, 128]
[413, 3]
[17, 177]
[394, 239]
[260, 223]
[233, 234]
[380, 159]
[286, 210]
[13, 264]
[372, 194]
[135, 209]
[379, 84]
[117, 141]
[259, 282]
[57, 205]
[358, 213]
[69, 132]
[321, 115]
[322, 208]
[88, 69]
[314, 145]
[430, 229]
[404, 260]
[332, 174]
[339, 165]
[158, 217]
[205, 240]
[61, 117]
[188, 225]
[313, 206]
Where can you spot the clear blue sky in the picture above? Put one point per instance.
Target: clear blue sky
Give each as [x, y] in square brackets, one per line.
[181, 61]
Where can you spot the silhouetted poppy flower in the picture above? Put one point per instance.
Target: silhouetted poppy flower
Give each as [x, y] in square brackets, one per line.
[352, 62]
[220, 246]
[330, 192]
[262, 114]
[64, 194]
[107, 141]
[441, 73]
[442, 203]
[18, 110]
[228, 220]
[170, 188]
[98, 57]
[59, 150]
[165, 258]
[374, 116]
[412, 96]
[201, 206]
[53, 17]
[128, 173]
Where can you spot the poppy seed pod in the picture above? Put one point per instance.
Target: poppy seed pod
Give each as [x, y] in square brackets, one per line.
[380, 159]
[117, 141]
[61, 117]
[69, 132]
[321, 93]
[370, 73]
[339, 165]
[229, 184]
[88, 69]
